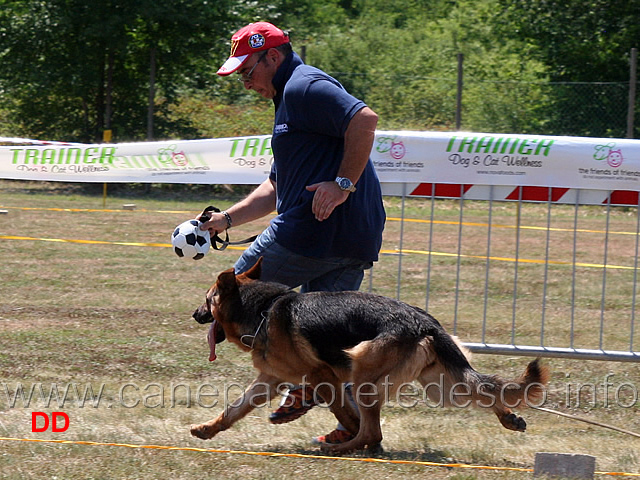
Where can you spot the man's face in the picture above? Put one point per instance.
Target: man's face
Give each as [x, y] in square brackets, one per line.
[257, 74]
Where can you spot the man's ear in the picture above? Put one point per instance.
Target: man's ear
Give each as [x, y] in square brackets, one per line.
[255, 272]
[274, 55]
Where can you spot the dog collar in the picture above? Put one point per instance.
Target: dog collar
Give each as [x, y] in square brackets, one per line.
[211, 334]
[265, 317]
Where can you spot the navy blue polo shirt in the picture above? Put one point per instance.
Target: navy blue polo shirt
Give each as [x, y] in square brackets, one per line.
[312, 113]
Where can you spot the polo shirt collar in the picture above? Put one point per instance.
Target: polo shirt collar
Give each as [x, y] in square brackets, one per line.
[283, 74]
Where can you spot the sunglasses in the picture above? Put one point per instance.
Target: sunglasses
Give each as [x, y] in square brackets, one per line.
[246, 77]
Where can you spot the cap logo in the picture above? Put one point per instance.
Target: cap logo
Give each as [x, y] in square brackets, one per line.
[234, 47]
[256, 40]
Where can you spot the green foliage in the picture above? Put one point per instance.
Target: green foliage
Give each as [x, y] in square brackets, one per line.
[405, 66]
[94, 59]
[581, 42]
[213, 119]
[71, 68]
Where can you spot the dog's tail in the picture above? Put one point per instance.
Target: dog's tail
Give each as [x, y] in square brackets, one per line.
[491, 390]
[462, 386]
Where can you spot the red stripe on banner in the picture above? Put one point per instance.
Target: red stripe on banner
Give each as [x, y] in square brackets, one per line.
[537, 194]
[441, 190]
[623, 197]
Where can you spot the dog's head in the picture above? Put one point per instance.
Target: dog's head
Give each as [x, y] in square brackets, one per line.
[226, 286]
[221, 299]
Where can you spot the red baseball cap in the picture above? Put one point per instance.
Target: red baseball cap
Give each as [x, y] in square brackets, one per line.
[255, 37]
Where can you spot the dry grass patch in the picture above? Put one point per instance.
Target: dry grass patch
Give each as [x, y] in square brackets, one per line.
[118, 317]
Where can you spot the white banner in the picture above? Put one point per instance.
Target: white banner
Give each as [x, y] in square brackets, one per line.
[399, 157]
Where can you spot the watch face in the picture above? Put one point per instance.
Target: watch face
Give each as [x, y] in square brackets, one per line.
[345, 183]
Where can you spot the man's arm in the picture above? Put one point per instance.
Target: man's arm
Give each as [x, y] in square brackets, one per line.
[257, 204]
[358, 141]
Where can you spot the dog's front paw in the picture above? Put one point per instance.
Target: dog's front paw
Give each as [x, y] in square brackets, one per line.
[204, 431]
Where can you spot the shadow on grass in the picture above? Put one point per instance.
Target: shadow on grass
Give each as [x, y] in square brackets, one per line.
[430, 455]
[155, 191]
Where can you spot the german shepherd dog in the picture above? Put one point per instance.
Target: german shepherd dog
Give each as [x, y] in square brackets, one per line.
[326, 339]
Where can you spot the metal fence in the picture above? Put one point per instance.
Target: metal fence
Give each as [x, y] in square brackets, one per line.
[530, 271]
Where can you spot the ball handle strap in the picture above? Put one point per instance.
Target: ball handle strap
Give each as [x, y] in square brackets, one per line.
[215, 239]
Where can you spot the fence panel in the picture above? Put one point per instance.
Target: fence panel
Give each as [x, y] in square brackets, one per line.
[532, 270]
[538, 272]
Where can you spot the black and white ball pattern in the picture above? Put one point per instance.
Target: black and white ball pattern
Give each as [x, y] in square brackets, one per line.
[189, 241]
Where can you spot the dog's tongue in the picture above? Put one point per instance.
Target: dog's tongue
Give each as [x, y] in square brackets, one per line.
[211, 339]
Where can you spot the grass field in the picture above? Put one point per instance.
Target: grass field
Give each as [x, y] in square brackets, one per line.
[109, 324]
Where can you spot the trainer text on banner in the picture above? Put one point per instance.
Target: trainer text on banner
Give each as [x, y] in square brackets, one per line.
[399, 157]
[500, 159]
[241, 160]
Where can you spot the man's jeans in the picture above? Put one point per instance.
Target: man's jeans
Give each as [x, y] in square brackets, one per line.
[311, 274]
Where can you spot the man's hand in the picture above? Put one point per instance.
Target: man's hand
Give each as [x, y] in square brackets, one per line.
[217, 223]
[358, 140]
[327, 197]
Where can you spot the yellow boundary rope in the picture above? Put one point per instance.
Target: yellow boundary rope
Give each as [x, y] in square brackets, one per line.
[291, 455]
[384, 251]
[392, 252]
[393, 219]
[91, 242]
[296, 455]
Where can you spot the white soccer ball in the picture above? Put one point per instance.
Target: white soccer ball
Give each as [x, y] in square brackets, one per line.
[189, 241]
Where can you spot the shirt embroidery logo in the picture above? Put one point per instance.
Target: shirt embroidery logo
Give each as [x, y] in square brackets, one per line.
[282, 128]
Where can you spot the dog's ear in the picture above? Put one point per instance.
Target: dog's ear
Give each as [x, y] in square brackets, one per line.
[226, 282]
[255, 272]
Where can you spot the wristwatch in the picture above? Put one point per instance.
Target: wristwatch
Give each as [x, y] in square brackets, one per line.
[345, 184]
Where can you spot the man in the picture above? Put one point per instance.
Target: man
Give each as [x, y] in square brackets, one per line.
[322, 183]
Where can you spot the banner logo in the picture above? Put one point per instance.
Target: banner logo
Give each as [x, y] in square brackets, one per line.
[398, 150]
[169, 155]
[606, 152]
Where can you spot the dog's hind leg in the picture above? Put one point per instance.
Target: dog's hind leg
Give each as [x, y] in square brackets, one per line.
[258, 393]
[378, 367]
[370, 434]
[332, 391]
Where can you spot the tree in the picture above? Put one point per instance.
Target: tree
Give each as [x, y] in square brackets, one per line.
[581, 41]
[401, 58]
[72, 68]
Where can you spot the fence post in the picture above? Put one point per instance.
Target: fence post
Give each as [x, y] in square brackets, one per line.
[107, 136]
[633, 79]
[152, 93]
[459, 92]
